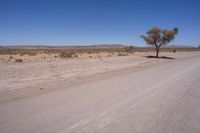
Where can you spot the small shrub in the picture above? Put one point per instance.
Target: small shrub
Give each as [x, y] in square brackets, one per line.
[122, 54]
[66, 54]
[11, 57]
[76, 55]
[32, 53]
[174, 50]
[89, 52]
[129, 49]
[21, 54]
[18, 60]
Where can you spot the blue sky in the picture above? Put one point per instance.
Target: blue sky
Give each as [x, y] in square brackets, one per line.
[85, 22]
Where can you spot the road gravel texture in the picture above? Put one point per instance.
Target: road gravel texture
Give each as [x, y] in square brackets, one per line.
[161, 97]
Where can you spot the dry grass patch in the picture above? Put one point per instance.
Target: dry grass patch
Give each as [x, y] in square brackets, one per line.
[67, 54]
[18, 60]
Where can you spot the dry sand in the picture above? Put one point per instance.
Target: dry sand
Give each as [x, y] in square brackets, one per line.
[148, 95]
[19, 80]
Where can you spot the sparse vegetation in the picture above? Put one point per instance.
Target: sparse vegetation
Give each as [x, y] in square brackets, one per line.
[48, 53]
[22, 53]
[67, 54]
[130, 49]
[81, 50]
[18, 60]
[158, 37]
[122, 54]
[32, 53]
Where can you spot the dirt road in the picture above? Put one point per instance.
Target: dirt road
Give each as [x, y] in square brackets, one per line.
[161, 98]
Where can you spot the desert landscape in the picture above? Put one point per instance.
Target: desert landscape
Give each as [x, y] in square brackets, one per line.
[99, 66]
[40, 90]
[37, 70]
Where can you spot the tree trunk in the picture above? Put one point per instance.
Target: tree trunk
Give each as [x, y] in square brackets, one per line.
[157, 51]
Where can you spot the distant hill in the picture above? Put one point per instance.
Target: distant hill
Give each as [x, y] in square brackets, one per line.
[103, 46]
[67, 46]
[178, 46]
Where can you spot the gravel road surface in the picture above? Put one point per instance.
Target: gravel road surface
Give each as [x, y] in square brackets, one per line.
[161, 98]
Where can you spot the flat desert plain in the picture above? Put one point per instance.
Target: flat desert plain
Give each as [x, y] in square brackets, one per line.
[101, 94]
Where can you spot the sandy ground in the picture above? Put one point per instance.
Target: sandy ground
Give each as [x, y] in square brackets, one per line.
[44, 57]
[19, 80]
[146, 96]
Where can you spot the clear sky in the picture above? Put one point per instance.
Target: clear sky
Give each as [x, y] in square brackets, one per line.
[79, 22]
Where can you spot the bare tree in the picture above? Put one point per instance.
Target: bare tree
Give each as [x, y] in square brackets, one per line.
[158, 37]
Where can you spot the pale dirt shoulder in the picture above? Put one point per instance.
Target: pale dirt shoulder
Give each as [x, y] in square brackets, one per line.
[19, 80]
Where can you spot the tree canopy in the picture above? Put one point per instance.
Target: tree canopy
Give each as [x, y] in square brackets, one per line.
[159, 37]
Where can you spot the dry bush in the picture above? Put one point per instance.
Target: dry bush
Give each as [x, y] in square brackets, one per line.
[174, 50]
[122, 54]
[129, 49]
[67, 54]
[32, 53]
[22, 53]
[18, 60]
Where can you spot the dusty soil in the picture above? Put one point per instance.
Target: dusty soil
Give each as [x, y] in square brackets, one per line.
[44, 57]
[19, 80]
[147, 96]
